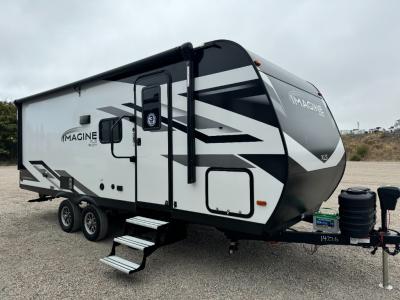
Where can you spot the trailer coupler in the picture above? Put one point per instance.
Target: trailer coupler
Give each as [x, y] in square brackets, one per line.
[385, 248]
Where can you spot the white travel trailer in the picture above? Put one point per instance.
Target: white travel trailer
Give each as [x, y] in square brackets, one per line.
[213, 135]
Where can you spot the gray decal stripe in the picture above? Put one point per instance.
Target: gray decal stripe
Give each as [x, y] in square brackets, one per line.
[204, 123]
[44, 172]
[120, 112]
[59, 173]
[214, 160]
[47, 172]
[201, 122]
[219, 90]
[42, 163]
[234, 138]
[115, 111]
[133, 105]
[26, 175]
[77, 183]
[249, 100]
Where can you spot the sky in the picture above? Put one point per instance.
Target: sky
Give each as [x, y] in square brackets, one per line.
[349, 49]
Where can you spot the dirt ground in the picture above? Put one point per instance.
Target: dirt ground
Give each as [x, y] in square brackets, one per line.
[38, 260]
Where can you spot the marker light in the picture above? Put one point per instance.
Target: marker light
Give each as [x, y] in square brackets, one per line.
[257, 63]
[261, 203]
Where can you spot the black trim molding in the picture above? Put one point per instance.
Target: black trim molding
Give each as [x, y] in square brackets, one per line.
[222, 223]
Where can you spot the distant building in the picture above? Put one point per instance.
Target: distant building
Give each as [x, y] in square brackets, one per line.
[345, 132]
[353, 131]
[381, 129]
[377, 129]
[392, 129]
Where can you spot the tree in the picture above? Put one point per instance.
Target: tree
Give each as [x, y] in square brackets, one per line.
[8, 131]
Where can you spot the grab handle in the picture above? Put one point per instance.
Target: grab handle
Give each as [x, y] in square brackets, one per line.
[130, 118]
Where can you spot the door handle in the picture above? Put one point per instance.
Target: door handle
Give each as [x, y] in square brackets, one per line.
[139, 141]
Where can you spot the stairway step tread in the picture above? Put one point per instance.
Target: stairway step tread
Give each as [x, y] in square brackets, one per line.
[120, 264]
[146, 222]
[133, 242]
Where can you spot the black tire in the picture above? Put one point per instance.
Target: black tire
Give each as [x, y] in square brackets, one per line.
[69, 216]
[94, 223]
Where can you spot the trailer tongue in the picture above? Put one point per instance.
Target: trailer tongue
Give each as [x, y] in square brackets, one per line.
[384, 237]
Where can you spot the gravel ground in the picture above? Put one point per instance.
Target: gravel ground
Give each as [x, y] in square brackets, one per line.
[38, 260]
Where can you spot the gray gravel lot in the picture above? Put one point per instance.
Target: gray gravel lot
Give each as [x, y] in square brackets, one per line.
[38, 260]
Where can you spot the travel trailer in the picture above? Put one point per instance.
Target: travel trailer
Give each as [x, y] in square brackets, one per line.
[212, 135]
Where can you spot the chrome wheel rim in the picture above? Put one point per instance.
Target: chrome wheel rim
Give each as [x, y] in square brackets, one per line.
[90, 223]
[66, 216]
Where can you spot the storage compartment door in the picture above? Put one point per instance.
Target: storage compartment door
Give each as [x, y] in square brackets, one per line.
[230, 192]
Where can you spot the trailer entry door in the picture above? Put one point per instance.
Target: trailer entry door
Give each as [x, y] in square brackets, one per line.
[152, 132]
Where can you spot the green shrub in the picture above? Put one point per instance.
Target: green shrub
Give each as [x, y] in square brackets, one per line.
[362, 150]
[8, 131]
[355, 157]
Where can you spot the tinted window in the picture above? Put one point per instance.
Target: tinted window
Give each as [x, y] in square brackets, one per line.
[151, 94]
[105, 135]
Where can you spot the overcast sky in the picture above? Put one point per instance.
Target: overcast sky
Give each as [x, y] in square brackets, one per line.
[349, 49]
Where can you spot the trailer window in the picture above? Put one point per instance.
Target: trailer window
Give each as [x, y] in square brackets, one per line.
[105, 126]
[151, 98]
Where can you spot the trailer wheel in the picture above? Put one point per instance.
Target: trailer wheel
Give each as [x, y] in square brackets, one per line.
[94, 223]
[69, 216]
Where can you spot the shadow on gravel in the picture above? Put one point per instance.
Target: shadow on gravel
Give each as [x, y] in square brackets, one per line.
[48, 216]
[204, 253]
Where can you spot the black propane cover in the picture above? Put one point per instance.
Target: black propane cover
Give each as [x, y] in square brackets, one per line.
[357, 212]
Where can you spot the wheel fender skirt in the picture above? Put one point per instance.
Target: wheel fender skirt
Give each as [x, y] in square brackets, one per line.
[87, 199]
[62, 194]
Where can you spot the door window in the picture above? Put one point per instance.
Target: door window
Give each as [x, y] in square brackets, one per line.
[151, 113]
